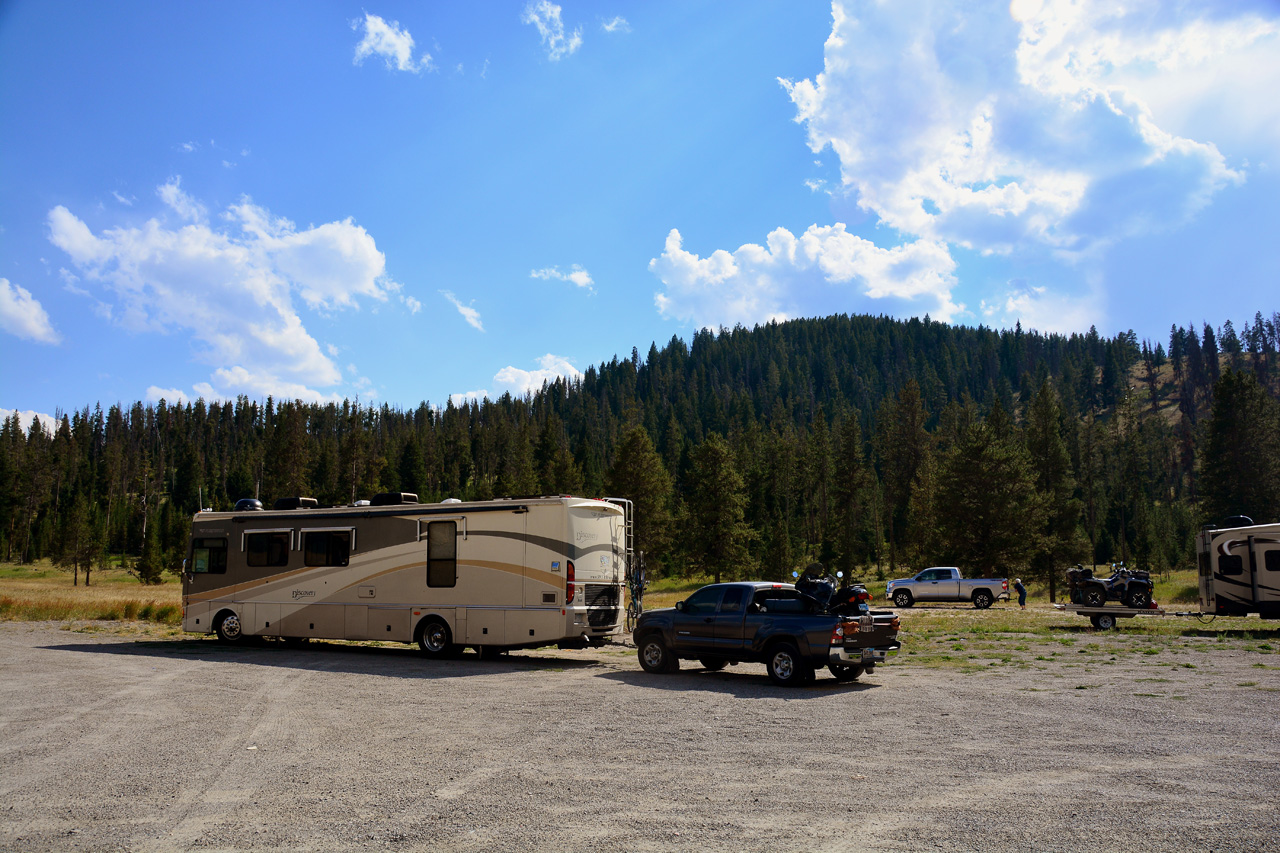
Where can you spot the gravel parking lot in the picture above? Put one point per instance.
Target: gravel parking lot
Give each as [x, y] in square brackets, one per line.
[111, 742]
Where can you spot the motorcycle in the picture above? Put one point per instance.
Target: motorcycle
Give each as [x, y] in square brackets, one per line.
[820, 588]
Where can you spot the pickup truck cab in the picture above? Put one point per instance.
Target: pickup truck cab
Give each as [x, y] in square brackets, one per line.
[946, 584]
[770, 623]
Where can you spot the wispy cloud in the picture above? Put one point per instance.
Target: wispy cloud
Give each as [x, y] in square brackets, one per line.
[471, 315]
[576, 275]
[617, 25]
[22, 315]
[545, 15]
[389, 41]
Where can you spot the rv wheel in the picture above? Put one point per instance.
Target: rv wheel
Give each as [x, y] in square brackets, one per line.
[434, 638]
[229, 628]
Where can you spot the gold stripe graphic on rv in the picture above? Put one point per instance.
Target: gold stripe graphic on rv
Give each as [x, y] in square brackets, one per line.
[223, 592]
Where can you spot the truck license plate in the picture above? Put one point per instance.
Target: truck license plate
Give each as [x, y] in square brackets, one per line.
[868, 656]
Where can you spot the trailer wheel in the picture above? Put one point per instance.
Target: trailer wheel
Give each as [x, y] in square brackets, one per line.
[982, 599]
[786, 669]
[843, 672]
[655, 656]
[1094, 596]
[229, 628]
[902, 598]
[713, 665]
[1104, 621]
[434, 638]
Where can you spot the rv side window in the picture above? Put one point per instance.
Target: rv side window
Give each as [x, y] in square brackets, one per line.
[1272, 561]
[326, 547]
[209, 556]
[1231, 564]
[268, 549]
[442, 553]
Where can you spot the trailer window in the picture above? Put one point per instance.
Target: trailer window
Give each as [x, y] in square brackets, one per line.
[326, 547]
[209, 556]
[1272, 561]
[1231, 564]
[267, 549]
[442, 553]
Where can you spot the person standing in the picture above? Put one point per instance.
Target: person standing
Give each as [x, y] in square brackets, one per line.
[1022, 593]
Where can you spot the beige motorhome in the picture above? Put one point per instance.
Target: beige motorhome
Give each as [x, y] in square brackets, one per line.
[1240, 569]
[495, 575]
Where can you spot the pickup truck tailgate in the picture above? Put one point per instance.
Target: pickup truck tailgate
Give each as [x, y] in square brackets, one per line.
[865, 639]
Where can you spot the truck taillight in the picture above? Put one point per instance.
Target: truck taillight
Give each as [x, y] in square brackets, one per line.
[1005, 584]
[837, 634]
[569, 588]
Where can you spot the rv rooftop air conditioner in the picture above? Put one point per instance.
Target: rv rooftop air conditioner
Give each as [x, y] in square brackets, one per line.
[394, 498]
[248, 505]
[295, 503]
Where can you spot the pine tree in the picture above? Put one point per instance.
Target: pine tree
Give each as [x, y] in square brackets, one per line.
[639, 476]
[1241, 469]
[716, 535]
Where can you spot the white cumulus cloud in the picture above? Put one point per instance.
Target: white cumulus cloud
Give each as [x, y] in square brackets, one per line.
[545, 15]
[969, 125]
[22, 315]
[230, 288]
[394, 45]
[550, 367]
[826, 268]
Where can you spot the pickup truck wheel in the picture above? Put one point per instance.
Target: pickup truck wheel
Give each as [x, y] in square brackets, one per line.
[655, 656]
[982, 599]
[713, 665]
[902, 598]
[844, 673]
[785, 666]
[1094, 597]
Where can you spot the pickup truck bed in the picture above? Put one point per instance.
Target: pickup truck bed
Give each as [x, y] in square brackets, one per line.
[767, 623]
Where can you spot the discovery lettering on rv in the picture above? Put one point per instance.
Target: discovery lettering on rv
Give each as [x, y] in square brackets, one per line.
[586, 536]
[303, 593]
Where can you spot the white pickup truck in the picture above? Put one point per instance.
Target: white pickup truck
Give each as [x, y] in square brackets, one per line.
[946, 584]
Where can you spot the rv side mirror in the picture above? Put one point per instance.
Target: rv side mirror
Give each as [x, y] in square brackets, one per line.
[680, 606]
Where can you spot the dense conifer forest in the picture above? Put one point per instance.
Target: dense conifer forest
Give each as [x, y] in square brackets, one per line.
[872, 444]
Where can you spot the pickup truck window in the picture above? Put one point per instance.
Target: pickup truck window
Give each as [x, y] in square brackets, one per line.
[732, 602]
[704, 600]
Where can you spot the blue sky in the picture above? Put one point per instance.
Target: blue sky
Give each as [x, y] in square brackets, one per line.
[413, 201]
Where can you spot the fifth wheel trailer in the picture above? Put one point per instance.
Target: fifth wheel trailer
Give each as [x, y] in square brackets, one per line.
[496, 575]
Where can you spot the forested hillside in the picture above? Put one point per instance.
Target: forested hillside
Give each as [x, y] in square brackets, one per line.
[866, 442]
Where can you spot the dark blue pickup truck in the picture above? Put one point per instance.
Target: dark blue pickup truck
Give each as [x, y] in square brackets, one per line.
[769, 623]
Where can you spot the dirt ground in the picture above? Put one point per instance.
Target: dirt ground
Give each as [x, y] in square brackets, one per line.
[111, 742]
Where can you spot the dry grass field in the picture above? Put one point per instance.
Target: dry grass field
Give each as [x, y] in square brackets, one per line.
[41, 592]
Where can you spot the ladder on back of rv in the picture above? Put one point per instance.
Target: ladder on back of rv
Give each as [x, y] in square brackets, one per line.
[628, 532]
